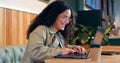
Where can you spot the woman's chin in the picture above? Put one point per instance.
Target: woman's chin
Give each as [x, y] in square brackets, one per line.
[62, 28]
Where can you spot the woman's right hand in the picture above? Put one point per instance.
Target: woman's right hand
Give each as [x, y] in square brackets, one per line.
[67, 51]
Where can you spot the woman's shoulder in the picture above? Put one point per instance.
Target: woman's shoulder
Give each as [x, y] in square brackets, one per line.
[41, 28]
[39, 31]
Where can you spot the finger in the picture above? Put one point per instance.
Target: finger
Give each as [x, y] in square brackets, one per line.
[72, 50]
[83, 51]
[79, 48]
[76, 50]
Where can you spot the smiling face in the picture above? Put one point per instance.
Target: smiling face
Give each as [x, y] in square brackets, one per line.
[62, 20]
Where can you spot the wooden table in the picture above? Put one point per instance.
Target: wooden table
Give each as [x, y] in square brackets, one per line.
[104, 59]
[111, 49]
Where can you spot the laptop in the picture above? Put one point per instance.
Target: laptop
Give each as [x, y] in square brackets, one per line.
[97, 40]
[76, 56]
[99, 36]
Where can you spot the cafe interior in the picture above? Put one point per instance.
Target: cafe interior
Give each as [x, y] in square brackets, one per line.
[17, 15]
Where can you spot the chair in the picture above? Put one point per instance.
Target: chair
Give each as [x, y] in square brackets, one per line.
[5, 58]
[18, 53]
[1, 61]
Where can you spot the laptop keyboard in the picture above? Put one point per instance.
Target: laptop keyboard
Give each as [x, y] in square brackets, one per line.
[76, 55]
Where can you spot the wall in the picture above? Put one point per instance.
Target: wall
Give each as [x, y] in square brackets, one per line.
[32, 6]
[15, 17]
[76, 4]
[117, 12]
[13, 26]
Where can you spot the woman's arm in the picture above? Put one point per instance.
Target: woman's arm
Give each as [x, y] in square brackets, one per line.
[36, 47]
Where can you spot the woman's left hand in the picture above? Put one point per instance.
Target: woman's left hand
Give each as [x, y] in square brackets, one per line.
[80, 49]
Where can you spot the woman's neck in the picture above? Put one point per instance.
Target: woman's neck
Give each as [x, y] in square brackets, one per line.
[54, 29]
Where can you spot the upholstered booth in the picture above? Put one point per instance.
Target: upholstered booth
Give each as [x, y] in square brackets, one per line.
[18, 53]
[1, 61]
[11, 54]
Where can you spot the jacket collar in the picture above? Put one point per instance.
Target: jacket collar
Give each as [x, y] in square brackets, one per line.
[51, 30]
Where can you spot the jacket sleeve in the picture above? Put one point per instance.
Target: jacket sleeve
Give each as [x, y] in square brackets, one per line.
[70, 46]
[36, 48]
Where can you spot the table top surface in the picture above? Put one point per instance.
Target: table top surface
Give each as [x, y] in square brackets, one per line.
[111, 49]
[104, 58]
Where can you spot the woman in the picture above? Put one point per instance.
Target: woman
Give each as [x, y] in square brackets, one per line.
[47, 34]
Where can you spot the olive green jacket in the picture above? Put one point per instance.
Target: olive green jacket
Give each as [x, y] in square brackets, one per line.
[40, 45]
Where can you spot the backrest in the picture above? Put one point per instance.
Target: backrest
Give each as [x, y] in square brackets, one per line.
[18, 53]
[5, 56]
[9, 51]
[11, 54]
[1, 60]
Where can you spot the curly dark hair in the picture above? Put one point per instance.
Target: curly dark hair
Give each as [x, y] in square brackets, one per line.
[48, 17]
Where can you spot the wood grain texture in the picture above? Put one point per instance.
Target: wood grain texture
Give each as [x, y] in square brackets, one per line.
[13, 26]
